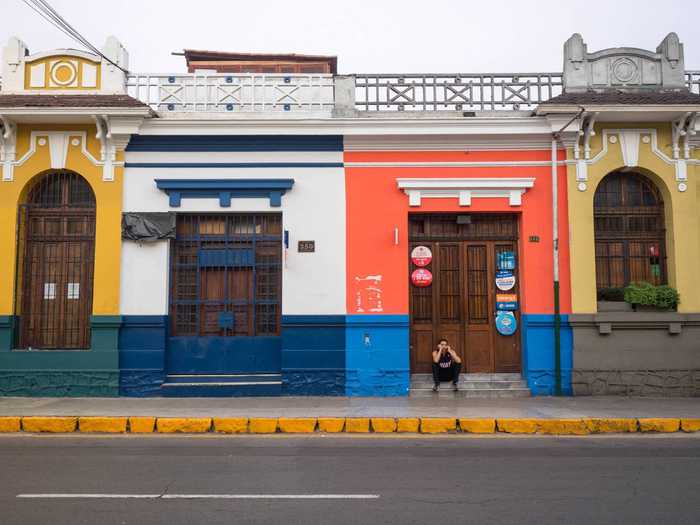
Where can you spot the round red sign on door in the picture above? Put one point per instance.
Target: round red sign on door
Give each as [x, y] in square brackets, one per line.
[421, 256]
[421, 277]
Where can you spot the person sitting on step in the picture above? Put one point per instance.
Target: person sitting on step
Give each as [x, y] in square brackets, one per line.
[446, 365]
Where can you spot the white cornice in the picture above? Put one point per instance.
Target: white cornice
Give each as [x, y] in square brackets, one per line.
[518, 126]
[447, 143]
[465, 189]
[440, 164]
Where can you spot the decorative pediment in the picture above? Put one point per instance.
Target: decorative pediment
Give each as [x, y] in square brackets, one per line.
[623, 67]
[466, 189]
[63, 71]
[224, 189]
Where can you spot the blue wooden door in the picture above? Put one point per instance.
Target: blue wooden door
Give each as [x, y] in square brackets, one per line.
[225, 294]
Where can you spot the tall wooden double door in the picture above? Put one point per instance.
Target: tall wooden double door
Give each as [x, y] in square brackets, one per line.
[460, 304]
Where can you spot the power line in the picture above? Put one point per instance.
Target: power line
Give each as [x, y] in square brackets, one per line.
[48, 13]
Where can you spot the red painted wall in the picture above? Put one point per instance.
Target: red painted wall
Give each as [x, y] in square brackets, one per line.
[375, 206]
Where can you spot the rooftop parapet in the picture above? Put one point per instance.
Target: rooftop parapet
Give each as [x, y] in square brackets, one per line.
[624, 68]
[64, 71]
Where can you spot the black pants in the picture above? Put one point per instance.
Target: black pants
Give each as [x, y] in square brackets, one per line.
[446, 374]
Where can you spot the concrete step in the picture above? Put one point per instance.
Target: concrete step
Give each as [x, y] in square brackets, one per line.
[472, 386]
[446, 392]
[223, 378]
[222, 385]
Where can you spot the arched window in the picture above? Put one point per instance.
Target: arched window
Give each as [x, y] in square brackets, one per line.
[57, 247]
[630, 238]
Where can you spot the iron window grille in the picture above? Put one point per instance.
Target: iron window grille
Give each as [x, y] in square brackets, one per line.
[226, 275]
[630, 237]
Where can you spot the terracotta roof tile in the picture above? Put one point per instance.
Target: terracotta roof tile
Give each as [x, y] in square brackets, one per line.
[70, 101]
[636, 98]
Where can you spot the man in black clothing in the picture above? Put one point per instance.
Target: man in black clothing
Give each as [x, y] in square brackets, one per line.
[446, 365]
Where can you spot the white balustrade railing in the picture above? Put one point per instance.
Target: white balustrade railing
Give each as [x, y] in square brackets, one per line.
[262, 93]
[236, 93]
[455, 92]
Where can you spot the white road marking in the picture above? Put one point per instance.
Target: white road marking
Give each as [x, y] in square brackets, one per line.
[198, 496]
[89, 496]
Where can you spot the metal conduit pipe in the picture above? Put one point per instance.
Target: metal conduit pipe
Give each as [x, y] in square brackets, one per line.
[555, 254]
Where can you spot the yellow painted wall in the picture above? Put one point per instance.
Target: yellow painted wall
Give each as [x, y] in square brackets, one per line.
[108, 195]
[682, 217]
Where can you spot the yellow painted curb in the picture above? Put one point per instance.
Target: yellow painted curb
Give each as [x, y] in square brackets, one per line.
[408, 424]
[231, 425]
[477, 426]
[356, 424]
[607, 425]
[112, 425]
[49, 424]
[186, 425]
[517, 426]
[437, 425]
[383, 424]
[563, 427]
[659, 424]
[297, 425]
[141, 424]
[331, 424]
[690, 424]
[262, 425]
[10, 424]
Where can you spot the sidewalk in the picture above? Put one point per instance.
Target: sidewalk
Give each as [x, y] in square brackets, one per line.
[396, 407]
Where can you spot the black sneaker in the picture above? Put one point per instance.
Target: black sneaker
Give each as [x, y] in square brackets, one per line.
[455, 387]
[436, 387]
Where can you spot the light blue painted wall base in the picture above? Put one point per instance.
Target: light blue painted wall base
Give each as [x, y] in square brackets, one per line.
[538, 353]
[377, 355]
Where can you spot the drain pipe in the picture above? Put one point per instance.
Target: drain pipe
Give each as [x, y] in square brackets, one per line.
[555, 251]
[555, 240]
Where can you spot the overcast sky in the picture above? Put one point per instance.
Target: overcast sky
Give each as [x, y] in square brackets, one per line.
[368, 36]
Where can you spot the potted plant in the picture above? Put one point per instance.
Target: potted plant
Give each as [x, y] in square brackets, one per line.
[645, 296]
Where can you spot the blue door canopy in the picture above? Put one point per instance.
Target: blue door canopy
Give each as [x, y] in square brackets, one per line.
[224, 189]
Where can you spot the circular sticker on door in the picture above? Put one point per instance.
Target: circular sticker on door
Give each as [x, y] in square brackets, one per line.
[506, 324]
[505, 280]
[421, 277]
[421, 256]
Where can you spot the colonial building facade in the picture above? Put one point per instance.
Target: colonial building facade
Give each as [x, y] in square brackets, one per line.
[261, 225]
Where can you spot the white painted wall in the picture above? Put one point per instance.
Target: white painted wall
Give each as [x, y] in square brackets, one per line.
[144, 278]
[314, 209]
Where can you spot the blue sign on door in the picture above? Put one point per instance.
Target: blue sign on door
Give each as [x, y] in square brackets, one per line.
[506, 323]
[506, 261]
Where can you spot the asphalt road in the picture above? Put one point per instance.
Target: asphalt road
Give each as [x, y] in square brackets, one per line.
[426, 480]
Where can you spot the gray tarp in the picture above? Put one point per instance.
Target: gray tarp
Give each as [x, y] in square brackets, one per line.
[148, 226]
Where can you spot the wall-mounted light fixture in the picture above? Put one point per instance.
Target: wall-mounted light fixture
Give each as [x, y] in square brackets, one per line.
[396, 235]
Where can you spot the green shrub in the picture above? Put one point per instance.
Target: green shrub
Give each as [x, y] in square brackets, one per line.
[646, 294]
[667, 297]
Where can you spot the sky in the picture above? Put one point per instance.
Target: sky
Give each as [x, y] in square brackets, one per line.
[368, 36]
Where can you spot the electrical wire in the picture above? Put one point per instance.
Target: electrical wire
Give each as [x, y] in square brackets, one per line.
[48, 13]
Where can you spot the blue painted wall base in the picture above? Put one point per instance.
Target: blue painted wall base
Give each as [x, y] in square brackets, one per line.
[377, 356]
[538, 353]
[313, 355]
[142, 341]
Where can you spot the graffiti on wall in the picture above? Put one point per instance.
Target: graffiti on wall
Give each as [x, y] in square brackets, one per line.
[368, 294]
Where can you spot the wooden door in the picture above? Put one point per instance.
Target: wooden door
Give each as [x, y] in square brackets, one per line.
[58, 233]
[479, 324]
[460, 305]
